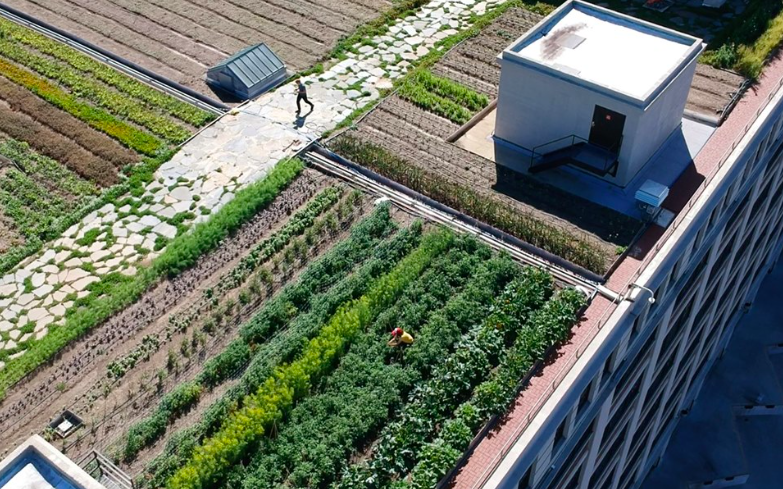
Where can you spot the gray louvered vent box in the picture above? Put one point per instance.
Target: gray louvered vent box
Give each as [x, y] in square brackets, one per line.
[249, 73]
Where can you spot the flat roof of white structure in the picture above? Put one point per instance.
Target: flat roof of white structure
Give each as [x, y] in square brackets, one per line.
[36, 464]
[607, 49]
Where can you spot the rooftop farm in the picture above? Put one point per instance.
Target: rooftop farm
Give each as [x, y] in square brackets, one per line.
[70, 129]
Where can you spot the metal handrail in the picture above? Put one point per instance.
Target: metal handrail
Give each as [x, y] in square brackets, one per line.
[535, 153]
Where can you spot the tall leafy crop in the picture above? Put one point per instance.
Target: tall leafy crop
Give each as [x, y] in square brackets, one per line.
[452, 381]
[356, 399]
[292, 381]
[545, 327]
[329, 273]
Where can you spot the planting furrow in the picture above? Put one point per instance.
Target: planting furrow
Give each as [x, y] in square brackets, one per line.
[484, 206]
[47, 172]
[128, 135]
[56, 146]
[97, 93]
[27, 398]
[283, 345]
[111, 35]
[189, 31]
[425, 121]
[355, 400]
[57, 120]
[280, 312]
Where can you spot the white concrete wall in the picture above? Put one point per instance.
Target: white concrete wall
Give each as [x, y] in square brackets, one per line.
[661, 118]
[535, 108]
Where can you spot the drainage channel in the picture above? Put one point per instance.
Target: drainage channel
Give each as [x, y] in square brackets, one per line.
[129, 68]
[318, 160]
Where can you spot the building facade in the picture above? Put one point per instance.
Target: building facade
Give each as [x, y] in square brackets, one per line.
[607, 424]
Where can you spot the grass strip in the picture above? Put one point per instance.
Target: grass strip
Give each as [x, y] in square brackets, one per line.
[291, 382]
[749, 40]
[99, 119]
[116, 291]
[125, 84]
[504, 217]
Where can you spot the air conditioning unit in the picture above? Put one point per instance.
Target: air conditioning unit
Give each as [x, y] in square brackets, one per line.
[651, 196]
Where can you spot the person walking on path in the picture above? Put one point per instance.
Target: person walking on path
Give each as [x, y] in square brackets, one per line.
[301, 94]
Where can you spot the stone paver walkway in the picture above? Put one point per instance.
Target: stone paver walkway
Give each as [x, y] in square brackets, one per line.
[238, 149]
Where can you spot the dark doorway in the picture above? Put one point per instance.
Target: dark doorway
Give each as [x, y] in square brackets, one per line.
[607, 129]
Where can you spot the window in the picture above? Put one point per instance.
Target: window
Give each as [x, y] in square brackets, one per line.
[524, 482]
[559, 435]
[584, 400]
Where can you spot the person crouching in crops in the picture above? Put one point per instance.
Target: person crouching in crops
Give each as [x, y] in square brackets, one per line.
[400, 337]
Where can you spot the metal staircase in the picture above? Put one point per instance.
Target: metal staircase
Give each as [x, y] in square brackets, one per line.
[575, 151]
[104, 471]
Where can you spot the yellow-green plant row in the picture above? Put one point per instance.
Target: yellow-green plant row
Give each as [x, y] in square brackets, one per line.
[114, 102]
[125, 84]
[99, 119]
[292, 381]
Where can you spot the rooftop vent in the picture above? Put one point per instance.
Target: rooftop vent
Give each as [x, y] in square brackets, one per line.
[652, 193]
[570, 40]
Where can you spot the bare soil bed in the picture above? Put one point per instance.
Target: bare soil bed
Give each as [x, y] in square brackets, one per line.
[180, 39]
[80, 379]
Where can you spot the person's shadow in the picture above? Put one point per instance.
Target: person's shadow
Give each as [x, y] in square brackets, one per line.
[302, 118]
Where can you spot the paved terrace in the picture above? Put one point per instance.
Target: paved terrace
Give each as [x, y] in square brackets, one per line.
[238, 149]
[490, 451]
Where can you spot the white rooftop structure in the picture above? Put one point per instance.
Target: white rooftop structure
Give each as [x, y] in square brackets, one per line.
[602, 47]
[593, 90]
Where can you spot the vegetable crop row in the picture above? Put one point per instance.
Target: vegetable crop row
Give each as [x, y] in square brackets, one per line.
[133, 88]
[547, 326]
[525, 226]
[279, 311]
[290, 382]
[356, 399]
[295, 226]
[452, 381]
[442, 96]
[56, 146]
[285, 345]
[115, 102]
[99, 119]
